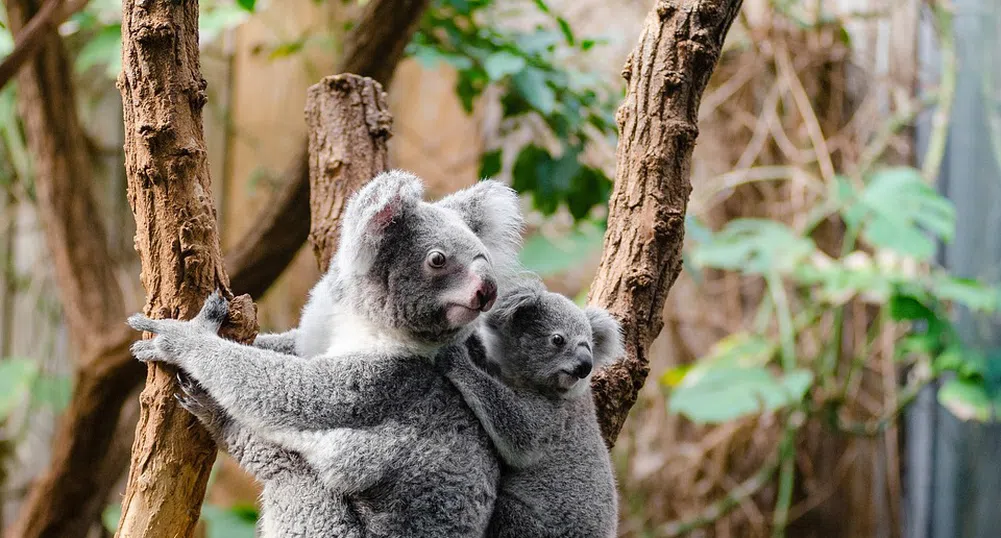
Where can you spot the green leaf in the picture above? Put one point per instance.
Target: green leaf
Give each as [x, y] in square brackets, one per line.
[755, 246]
[567, 31]
[549, 256]
[219, 18]
[908, 308]
[105, 48]
[531, 83]
[969, 400]
[248, 5]
[501, 64]
[966, 292]
[286, 49]
[52, 391]
[225, 523]
[727, 393]
[6, 42]
[16, 377]
[899, 211]
[110, 517]
[490, 164]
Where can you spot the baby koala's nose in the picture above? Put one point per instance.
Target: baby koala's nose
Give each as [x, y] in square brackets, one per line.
[486, 295]
[582, 369]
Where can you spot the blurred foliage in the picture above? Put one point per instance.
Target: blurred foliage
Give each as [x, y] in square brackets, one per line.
[536, 81]
[237, 521]
[897, 220]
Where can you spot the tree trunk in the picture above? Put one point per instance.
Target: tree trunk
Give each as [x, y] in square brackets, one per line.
[666, 74]
[62, 502]
[349, 125]
[70, 494]
[163, 93]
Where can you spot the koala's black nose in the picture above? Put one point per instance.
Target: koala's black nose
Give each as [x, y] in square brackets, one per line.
[486, 295]
[582, 369]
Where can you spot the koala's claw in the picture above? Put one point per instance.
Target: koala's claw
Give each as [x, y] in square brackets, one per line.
[189, 404]
[140, 322]
[215, 310]
[145, 351]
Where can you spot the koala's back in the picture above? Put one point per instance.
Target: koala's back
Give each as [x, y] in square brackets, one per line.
[569, 493]
[444, 482]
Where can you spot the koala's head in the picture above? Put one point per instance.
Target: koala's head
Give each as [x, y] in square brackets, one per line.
[426, 270]
[543, 340]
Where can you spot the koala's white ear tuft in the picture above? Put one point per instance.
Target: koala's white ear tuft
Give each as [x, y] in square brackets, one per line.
[607, 334]
[384, 199]
[491, 211]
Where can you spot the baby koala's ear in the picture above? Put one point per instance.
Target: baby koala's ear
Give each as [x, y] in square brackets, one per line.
[514, 300]
[491, 211]
[607, 334]
[388, 197]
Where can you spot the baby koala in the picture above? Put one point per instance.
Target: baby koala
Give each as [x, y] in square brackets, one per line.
[531, 391]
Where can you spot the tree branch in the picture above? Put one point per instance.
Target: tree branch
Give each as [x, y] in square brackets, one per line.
[373, 49]
[169, 190]
[666, 74]
[62, 501]
[349, 126]
[29, 40]
[81, 442]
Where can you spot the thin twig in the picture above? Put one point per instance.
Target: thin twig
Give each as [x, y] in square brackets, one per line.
[30, 38]
[810, 121]
[723, 506]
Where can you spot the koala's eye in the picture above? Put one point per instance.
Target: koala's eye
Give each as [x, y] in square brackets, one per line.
[436, 259]
[557, 340]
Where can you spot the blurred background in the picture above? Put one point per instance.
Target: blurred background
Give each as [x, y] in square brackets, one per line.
[829, 365]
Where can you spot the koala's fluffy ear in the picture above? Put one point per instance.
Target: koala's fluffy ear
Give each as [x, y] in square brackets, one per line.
[523, 293]
[607, 333]
[491, 211]
[384, 199]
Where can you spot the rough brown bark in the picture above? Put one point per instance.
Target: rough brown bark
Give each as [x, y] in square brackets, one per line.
[67, 497]
[372, 49]
[169, 191]
[62, 501]
[349, 125]
[666, 74]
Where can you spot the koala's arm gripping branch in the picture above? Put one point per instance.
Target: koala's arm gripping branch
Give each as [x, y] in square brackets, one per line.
[170, 194]
[666, 74]
[518, 424]
[269, 391]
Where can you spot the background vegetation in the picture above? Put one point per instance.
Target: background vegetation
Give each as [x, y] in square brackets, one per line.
[812, 309]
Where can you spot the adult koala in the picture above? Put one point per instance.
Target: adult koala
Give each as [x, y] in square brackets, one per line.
[408, 279]
[531, 392]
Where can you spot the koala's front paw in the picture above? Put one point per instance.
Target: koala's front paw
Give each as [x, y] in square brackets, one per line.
[174, 337]
[197, 401]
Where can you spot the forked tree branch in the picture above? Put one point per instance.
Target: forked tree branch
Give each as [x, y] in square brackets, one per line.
[372, 49]
[666, 75]
[69, 496]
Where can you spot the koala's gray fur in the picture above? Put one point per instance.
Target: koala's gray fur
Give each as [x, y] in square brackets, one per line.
[420, 463]
[537, 407]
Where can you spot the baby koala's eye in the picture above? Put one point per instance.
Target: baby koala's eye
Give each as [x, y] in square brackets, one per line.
[557, 340]
[436, 259]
